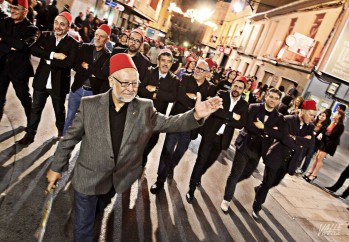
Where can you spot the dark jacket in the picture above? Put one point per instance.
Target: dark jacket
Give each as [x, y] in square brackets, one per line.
[330, 141]
[60, 69]
[287, 151]
[166, 88]
[183, 103]
[188, 84]
[141, 62]
[252, 139]
[224, 116]
[16, 40]
[85, 54]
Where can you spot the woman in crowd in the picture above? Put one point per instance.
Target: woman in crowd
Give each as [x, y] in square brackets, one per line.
[188, 68]
[122, 41]
[262, 92]
[329, 141]
[226, 84]
[285, 105]
[145, 49]
[320, 125]
[247, 92]
[295, 106]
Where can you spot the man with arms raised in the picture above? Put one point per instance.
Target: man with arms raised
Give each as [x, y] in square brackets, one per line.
[114, 128]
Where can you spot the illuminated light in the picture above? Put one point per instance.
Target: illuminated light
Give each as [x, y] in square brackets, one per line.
[237, 7]
[200, 16]
[185, 44]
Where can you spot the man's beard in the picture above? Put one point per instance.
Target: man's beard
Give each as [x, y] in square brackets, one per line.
[235, 94]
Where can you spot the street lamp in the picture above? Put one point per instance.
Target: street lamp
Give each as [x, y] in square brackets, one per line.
[185, 44]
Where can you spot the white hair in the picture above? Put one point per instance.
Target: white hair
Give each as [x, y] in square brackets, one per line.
[205, 63]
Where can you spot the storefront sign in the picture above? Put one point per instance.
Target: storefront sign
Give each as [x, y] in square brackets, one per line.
[338, 63]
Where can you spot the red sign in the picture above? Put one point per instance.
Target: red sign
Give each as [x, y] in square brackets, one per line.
[221, 49]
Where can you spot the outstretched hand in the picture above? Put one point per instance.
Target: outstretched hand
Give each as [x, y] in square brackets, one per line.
[203, 109]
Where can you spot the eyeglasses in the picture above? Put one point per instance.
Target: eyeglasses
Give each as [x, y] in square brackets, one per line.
[126, 84]
[135, 40]
[199, 69]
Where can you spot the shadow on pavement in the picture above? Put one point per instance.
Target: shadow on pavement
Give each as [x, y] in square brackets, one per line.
[222, 232]
[10, 133]
[181, 218]
[279, 226]
[250, 221]
[11, 177]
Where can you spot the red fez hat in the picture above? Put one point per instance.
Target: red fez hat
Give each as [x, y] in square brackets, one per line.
[190, 59]
[209, 62]
[163, 51]
[309, 105]
[119, 62]
[23, 3]
[105, 28]
[241, 79]
[68, 16]
[138, 31]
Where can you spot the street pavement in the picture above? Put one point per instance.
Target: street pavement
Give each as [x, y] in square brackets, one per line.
[294, 211]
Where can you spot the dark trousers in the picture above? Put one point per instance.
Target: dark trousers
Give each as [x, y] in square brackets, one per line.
[39, 101]
[308, 156]
[151, 144]
[176, 144]
[22, 92]
[86, 208]
[271, 178]
[340, 182]
[242, 168]
[208, 153]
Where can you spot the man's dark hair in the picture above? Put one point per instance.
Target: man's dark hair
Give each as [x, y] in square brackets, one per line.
[274, 90]
[165, 54]
[342, 107]
[295, 84]
[281, 88]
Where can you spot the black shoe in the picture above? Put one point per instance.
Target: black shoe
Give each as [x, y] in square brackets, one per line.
[170, 174]
[255, 214]
[343, 196]
[26, 140]
[156, 187]
[330, 189]
[189, 196]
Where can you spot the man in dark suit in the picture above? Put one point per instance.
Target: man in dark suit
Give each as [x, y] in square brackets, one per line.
[176, 144]
[253, 142]
[17, 35]
[284, 154]
[114, 128]
[159, 85]
[57, 51]
[88, 65]
[218, 131]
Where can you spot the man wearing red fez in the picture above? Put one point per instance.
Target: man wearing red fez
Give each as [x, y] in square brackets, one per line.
[262, 127]
[17, 35]
[57, 51]
[114, 128]
[284, 154]
[159, 85]
[88, 78]
[218, 131]
[177, 143]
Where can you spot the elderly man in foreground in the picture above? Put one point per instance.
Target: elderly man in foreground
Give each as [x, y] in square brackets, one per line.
[114, 128]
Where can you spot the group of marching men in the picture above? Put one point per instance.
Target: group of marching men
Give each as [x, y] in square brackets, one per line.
[119, 127]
